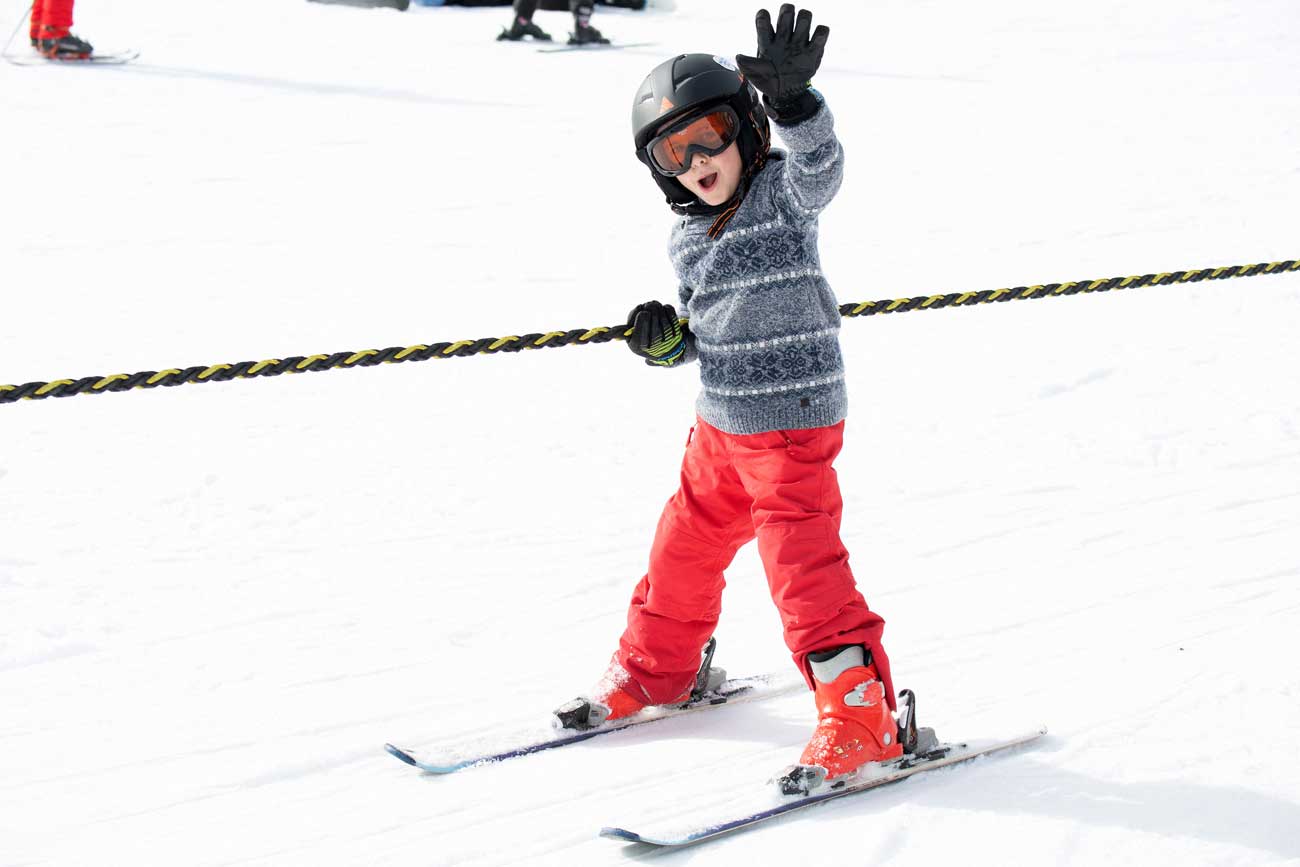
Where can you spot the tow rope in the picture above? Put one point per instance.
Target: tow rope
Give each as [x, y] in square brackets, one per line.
[174, 376]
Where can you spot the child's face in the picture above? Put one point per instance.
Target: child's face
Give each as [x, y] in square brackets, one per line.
[713, 180]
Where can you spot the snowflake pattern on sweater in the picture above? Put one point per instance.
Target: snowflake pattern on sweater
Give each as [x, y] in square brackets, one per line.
[764, 323]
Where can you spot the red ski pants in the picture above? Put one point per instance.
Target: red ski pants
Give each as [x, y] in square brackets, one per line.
[51, 17]
[780, 488]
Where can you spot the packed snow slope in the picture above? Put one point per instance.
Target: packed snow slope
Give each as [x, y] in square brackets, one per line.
[218, 602]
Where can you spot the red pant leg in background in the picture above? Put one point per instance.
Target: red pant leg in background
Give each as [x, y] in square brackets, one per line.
[781, 487]
[53, 16]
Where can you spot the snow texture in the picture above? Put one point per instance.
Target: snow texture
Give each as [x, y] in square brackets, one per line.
[218, 602]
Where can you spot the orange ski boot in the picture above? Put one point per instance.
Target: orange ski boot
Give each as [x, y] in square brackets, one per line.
[616, 695]
[854, 725]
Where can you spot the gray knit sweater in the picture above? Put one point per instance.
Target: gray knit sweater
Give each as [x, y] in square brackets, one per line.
[764, 323]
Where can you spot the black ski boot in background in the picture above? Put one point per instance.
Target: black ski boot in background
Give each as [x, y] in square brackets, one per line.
[583, 33]
[522, 24]
[523, 27]
[66, 47]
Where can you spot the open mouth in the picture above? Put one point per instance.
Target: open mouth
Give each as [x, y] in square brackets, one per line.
[708, 182]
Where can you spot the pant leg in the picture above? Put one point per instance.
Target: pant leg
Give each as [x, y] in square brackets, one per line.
[56, 15]
[675, 607]
[581, 10]
[796, 515]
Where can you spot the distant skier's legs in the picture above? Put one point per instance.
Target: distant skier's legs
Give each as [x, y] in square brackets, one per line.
[55, 17]
[52, 30]
[583, 32]
[522, 25]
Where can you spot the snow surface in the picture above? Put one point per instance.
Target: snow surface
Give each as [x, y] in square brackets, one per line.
[217, 603]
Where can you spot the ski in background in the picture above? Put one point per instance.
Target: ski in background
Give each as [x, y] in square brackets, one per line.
[595, 46]
[35, 58]
[399, 5]
[99, 58]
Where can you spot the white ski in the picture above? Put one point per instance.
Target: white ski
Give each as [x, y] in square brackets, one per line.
[771, 803]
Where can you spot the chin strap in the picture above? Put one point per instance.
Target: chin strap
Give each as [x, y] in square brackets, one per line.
[725, 217]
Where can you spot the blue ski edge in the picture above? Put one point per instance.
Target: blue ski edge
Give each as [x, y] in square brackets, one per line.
[403, 755]
[628, 836]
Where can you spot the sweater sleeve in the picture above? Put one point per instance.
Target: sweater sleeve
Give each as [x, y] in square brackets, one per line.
[814, 169]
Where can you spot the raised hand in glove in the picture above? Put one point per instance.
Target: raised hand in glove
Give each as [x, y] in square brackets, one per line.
[657, 336]
[786, 62]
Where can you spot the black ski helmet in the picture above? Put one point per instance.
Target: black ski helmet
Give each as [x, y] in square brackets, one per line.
[692, 84]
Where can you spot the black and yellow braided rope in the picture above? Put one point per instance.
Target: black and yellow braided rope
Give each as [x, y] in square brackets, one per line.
[1052, 290]
[580, 336]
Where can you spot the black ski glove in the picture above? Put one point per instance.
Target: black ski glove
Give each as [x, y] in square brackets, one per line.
[657, 336]
[787, 60]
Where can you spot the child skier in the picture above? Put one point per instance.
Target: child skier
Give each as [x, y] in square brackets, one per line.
[51, 31]
[763, 324]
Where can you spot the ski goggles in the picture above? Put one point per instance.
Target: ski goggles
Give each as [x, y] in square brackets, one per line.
[672, 150]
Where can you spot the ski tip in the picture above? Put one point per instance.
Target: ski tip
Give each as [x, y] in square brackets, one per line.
[621, 834]
[1029, 737]
[399, 753]
[627, 836]
[412, 759]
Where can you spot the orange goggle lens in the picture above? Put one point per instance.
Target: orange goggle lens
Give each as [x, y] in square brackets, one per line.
[712, 133]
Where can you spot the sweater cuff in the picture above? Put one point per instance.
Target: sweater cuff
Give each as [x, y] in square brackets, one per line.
[811, 132]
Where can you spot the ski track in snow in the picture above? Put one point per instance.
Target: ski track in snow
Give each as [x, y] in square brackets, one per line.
[217, 603]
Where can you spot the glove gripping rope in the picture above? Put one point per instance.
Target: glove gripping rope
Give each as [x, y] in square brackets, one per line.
[580, 336]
